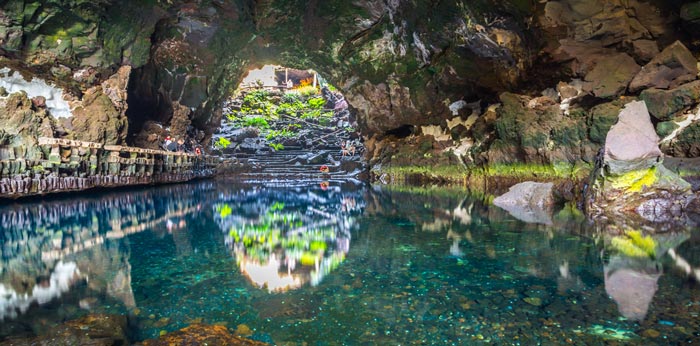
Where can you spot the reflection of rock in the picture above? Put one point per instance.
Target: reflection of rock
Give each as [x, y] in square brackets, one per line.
[528, 201]
[93, 329]
[62, 278]
[632, 284]
[202, 334]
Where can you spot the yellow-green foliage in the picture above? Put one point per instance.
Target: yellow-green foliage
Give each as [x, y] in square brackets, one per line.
[634, 181]
[224, 210]
[451, 172]
[633, 244]
[524, 170]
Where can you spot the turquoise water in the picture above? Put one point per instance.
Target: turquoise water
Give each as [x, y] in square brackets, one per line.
[341, 265]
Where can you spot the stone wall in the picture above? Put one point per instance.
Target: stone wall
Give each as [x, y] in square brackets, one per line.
[63, 165]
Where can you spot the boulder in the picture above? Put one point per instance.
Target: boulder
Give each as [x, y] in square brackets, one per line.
[645, 50]
[611, 75]
[672, 67]
[690, 12]
[687, 143]
[528, 201]
[665, 104]
[632, 143]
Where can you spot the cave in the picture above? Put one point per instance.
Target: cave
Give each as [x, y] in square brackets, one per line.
[290, 123]
[461, 171]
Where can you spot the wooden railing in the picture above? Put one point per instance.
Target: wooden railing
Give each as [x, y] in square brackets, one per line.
[67, 165]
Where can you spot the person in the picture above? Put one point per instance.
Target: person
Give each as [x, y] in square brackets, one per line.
[180, 144]
[289, 84]
[166, 142]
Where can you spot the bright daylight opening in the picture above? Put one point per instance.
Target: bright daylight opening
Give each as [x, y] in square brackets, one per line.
[284, 123]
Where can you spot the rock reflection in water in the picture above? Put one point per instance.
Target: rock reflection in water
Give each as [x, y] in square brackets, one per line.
[50, 247]
[285, 238]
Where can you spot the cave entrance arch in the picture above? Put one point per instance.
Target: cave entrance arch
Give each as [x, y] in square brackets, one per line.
[290, 124]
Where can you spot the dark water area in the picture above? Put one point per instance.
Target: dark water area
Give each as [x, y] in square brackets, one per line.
[341, 265]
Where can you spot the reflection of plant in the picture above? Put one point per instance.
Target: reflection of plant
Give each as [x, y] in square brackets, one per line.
[633, 244]
[224, 210]
[277, 206]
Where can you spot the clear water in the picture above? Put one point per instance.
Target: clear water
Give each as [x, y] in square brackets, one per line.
[340, 265]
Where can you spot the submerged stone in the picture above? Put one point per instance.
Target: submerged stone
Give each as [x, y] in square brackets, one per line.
[202, 334]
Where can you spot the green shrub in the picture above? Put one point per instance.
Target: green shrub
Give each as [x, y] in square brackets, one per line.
[258, 122]
[222, 143]
[316, 102]
[277, 146]
[290, 98]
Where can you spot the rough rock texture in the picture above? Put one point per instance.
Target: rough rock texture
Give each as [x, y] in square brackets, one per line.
[611, 75]
[634, 126]
[400, 64]
[101, 114]
[191, 54]
[632, 178]
[528, 201]
[22, 124]
[664, 104]
[201, 334]
[674, 66]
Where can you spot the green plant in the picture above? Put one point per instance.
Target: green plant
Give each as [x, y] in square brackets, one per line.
[290, 108]
[291, 98]
[277, 146]
[231, 117]
[257, 121]
[307, 90]
[284, 133]
[222, 143]
[316, 102]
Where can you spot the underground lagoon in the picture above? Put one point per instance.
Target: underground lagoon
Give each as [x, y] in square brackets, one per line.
[349, 173]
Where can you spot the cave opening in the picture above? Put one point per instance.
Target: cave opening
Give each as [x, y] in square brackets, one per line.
[287, 123]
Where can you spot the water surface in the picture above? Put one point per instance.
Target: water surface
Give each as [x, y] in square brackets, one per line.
[340, 265]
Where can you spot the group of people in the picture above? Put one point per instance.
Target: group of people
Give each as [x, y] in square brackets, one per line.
[180, 145]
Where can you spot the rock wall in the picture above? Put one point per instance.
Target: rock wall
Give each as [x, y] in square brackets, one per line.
[60, 165]
[495, 82]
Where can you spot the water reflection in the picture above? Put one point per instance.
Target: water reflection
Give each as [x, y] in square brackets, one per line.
[285, 238]
[51, 247]
[428, 265]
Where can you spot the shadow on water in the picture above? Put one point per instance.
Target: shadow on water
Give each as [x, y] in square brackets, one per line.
[341, 265]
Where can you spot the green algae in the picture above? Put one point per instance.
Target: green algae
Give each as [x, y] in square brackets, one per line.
[634, 181]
